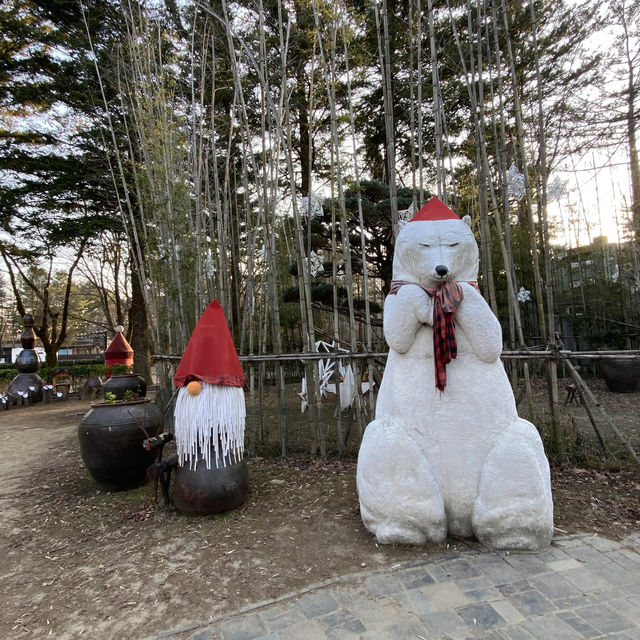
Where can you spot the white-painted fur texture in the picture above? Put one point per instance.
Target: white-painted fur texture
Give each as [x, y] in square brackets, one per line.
[457, 462]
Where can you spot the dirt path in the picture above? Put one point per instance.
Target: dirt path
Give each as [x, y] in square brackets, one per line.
[80, 562]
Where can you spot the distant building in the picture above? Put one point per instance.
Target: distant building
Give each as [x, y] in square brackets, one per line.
[596, 290]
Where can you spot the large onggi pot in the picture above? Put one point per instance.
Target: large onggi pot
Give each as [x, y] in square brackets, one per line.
[111, 437]
[202, 491]
[622, 375]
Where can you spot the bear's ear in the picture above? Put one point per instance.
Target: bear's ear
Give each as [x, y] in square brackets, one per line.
[467, 220]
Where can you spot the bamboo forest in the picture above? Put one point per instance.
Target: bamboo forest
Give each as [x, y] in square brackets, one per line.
[157, 155]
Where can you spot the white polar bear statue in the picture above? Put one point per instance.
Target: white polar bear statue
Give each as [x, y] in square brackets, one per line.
[457, 461]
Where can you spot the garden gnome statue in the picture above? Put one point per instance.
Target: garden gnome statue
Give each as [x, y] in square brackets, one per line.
[27, 384]
[209, 417]
[447, 452]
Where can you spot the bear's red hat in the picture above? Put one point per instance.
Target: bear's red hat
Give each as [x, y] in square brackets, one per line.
[210, 355]
[435, 210]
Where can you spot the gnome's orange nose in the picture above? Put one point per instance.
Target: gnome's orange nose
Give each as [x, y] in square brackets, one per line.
[194, 388]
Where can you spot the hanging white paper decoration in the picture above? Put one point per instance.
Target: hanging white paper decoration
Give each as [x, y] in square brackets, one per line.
[556, 190]
[515, 183]
[315, 264]
[524, 295]
[311, 206]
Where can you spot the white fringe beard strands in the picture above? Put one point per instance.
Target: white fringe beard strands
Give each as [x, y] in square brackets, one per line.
[212, 421]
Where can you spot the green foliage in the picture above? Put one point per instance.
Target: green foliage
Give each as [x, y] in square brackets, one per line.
[110, 398]
[119, 369]
[79, 372]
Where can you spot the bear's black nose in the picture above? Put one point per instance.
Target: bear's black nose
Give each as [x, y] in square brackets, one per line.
[441, 270]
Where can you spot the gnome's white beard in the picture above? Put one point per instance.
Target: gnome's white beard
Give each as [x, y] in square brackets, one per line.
[211, 422]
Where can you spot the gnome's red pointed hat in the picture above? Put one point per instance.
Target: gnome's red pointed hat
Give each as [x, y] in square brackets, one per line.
[210, 355]
[435, 209]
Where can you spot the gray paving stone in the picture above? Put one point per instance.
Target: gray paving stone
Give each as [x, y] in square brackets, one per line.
[552, 553]
[551, 628]
[568, 542]
[604, 618]
[458, 569]
[615, 575]
[317, 604]
[480, 616]
[526, 563]
[496, 569]
[246, 627]
[204, 634]
[531, 603]
[586, 581]
[486, 594]
[516, 633]
[420, 604]
[588, 589]
[405, 629]
[383, 585]
[554, 586]
[348, 628]
[336, 619]
[511, 588]
[625, 557]
[629, 607]
[415, 577]
[471, 584]
[488, 635]
[309, 630]
[445, 623]
[602, 544]
[580, 625]
[281, 616]
[507, 611]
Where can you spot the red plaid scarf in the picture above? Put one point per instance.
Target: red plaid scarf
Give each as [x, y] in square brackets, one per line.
[446, 299]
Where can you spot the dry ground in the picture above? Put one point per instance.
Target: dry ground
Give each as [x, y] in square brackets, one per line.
[79, 562]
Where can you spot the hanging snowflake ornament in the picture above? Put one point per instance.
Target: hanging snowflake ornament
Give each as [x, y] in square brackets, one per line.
[315, 264]
[311, 206]
[515, 183]
[524, 295]
[556, 190]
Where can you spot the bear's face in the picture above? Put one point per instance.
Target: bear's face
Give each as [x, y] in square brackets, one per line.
[432, 252]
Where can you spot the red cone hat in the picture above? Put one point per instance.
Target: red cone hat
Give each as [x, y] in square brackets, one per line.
[119, 350]
[210, 355]
[435, 210]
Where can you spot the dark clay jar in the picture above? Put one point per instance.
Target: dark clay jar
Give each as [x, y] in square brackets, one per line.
[119, 385]
[202, 491]
[111, 437]
[621, 375]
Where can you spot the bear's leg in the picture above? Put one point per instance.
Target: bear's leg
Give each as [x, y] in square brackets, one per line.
[400, 497]
[514, 509]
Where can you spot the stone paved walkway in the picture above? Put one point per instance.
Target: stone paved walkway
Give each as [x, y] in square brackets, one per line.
[583, 586]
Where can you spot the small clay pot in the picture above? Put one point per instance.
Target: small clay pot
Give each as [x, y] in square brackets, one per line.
[119, 385]
[202, 491]
[622, 375]
[111, 437]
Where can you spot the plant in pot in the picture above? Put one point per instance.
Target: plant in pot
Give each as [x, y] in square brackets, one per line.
[112, 434]
[122, 379]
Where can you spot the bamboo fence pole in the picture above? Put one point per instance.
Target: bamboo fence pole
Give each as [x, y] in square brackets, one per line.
[552, 365]
[525, 170]
[363, 246]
